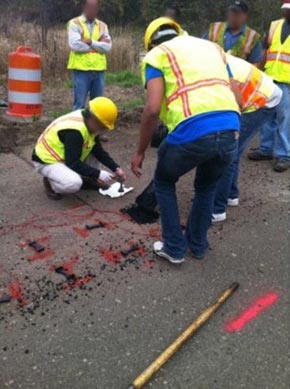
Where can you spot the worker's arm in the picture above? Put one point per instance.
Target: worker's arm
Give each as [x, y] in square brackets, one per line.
[73, 144]
[236, 92]
[104, 44]
[149, 121]
[104, 157]
[75, 40]
[256, 55]
[234, 86]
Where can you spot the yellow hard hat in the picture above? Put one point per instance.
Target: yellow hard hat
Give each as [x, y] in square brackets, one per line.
[155, 26]
[105, 110]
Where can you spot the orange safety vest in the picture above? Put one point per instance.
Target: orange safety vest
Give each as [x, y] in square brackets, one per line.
[256, 87]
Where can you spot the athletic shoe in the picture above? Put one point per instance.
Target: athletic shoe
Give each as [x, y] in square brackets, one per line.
[259, 156]
[158, 248]
[281, 166]
[219, 217]
[233, 202]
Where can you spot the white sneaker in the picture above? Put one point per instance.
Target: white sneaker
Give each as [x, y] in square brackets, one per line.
[158, 250]
[219, 217]
[233, 202]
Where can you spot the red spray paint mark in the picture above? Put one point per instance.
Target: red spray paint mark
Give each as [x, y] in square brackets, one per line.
[16, 293]
[258, 307]
[78, 282]
[149, 264]
[41, 256]
[82, 232]
[107, 225]
[112, 257]
[76, 207]
[155, 232]
[68, 266]
[141, 251]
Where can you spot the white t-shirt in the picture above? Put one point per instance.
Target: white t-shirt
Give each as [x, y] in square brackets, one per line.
[275, 98]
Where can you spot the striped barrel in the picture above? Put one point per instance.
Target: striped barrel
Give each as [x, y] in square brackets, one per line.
[24, 83]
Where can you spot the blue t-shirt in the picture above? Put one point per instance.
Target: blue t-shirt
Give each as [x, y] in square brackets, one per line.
[255, 56]
[200, 125]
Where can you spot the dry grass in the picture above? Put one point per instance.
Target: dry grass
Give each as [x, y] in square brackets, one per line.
[124, 55]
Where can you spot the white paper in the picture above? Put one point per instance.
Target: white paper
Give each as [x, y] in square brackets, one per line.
[113, 191]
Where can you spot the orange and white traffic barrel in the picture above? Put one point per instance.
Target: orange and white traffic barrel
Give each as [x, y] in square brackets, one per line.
[24, 83]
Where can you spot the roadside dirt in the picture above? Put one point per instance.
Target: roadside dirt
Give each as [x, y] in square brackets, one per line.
[57, 100]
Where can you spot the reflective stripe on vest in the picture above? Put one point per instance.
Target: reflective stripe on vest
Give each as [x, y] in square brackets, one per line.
[278, 55]
[196, 80]
[179, 78]
[50, 149]
[91, 60]
[256, 87]
[251, 96]
[244, 44]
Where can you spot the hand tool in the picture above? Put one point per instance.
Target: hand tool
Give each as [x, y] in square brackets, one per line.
[36, 246]
[144, 378]
[95, 226]
[121, 190]
[133, 248]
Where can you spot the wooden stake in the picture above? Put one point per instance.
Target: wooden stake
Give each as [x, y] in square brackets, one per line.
[146, 376]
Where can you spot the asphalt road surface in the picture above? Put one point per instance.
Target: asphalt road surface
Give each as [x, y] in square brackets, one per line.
[101, 329]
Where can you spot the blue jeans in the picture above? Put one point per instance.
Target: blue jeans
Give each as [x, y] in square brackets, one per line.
[211, 155]
[228, 186]
[275, 137]
[90, 83]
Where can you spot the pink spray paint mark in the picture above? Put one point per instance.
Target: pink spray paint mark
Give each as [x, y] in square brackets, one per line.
[149, 264]
[258, 307]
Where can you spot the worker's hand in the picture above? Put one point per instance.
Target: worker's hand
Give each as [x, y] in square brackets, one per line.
[106, 177]
[87, 41]
[136, 164]
[104, 39]
[120, 175]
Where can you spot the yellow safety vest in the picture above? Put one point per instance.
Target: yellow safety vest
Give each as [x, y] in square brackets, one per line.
[243, 46]
[256, 87]
[49, 147]
[91, 60]
[278, 55]
[196, 79]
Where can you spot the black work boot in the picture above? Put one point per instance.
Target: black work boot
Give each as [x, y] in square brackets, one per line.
[49, 191]
[257, 155]
[281, 165]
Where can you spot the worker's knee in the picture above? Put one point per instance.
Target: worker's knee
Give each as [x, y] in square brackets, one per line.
[72, 184]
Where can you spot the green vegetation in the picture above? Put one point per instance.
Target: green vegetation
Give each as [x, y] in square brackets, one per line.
[61, 112]
[125, 79]
[133, 104]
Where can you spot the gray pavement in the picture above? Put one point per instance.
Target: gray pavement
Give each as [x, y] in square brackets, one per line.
[102, 332]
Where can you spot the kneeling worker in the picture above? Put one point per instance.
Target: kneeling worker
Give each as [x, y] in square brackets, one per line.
[62, 150]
